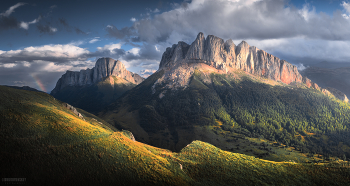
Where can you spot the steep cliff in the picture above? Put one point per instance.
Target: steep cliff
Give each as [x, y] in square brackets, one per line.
[93, 89]
[104, 67]
[219, 54]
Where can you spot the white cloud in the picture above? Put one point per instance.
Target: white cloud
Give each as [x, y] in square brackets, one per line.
[25, 25]
[346, 7]
[94, 40]
[155, 46]
[25, 63]
[9, 65]
[110, 47]
[77, 43]
[134, 51]
[306, 13]
[53, 29]
[54, 53]
[133, 19]
[146, 72]
[301, 67]
[11, 9]
[73, 66]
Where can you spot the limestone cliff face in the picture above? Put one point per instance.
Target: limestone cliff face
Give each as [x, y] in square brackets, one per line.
[104, 67]
[217, 53]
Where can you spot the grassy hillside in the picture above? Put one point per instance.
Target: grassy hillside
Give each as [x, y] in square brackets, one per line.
[93, 98]
[47, 144]
[228, 109]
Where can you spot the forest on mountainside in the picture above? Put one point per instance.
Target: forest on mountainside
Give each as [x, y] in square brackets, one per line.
[294, 116]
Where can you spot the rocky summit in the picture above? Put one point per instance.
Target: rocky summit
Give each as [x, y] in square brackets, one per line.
[104, 67]
[93, 89]
[225, 55]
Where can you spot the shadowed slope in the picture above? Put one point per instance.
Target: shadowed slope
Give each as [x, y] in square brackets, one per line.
[48, 144]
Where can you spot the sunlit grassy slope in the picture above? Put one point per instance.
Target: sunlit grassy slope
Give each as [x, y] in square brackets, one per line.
[47, 144]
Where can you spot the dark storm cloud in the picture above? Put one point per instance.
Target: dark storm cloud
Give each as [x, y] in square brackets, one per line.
[269, 19]
[78, 31]
[63, 22]
[69, 28]
[46, 29]
[8, 23]
[125, 32]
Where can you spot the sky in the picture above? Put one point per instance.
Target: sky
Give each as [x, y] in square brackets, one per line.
[41, 40]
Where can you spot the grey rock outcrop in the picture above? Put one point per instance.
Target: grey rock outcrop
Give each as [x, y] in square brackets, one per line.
[74, 110]
[104, 67]
[217, 53]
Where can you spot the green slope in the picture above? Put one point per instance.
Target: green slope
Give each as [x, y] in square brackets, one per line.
[47, 144]
[93, 98]
[233, 107]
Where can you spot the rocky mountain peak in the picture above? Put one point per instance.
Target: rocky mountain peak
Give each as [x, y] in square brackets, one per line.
[225, 55]
[104, 67]
[196, 49]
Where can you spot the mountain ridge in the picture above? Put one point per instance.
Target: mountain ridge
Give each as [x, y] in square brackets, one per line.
[225, 55]
[93, 89]
[104, 67]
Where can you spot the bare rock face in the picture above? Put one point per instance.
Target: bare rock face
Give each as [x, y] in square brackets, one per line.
[219, 54]
[104, 67]
[196, 50]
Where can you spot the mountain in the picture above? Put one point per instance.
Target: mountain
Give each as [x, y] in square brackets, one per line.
[44, 142]
[93, 89]
[338, 78]
[213, 51]
[229, 95]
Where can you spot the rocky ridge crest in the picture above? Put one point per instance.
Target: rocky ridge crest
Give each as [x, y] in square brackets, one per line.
[104, 67]
[221, 54]
[180, 61]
